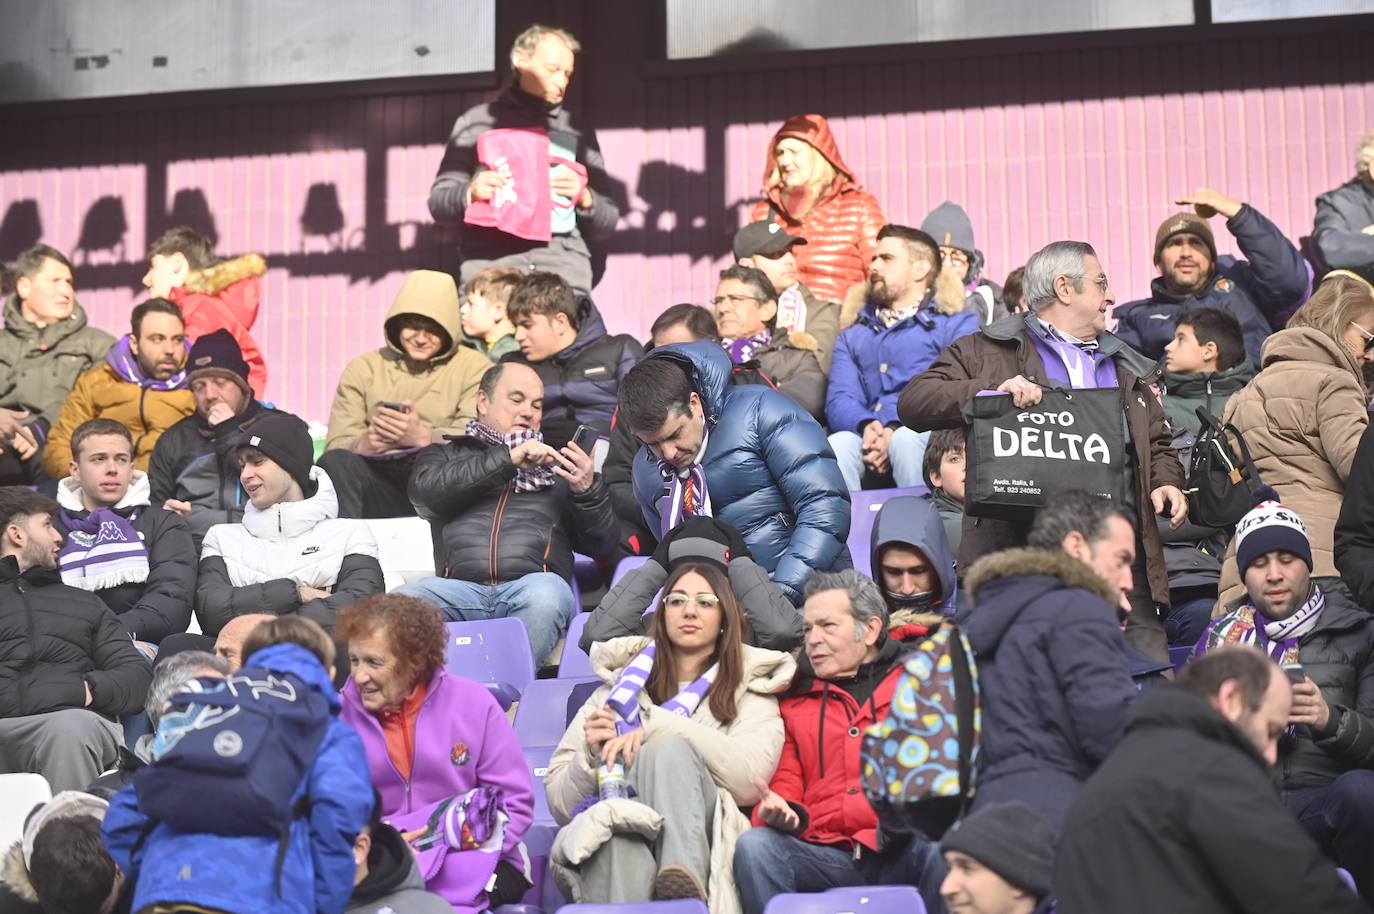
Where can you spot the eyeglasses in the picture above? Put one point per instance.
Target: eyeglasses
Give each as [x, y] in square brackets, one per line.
[954, 255]
[1368, 337]
[734, 299]
[677, 600]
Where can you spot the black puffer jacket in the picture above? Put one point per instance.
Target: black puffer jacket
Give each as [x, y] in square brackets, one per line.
[581, 382]
[1182, 818]
[486, 532]
[52, 637]
[198, 463]
[1342, 215]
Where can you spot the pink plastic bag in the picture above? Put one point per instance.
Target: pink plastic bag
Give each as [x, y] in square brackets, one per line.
[523, 206]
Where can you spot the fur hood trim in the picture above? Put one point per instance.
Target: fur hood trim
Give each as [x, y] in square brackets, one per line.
[853, 303]
[910, 617]
[1014, 562]
[803, 340]
[14, 875]
[950, 295]
[215, 279]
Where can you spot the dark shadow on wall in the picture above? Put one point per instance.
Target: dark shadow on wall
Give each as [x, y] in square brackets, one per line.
[190, 208]
[103, 229]
[20, 230]
[323, 216]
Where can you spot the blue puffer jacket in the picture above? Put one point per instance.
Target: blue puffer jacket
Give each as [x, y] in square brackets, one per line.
[238, 873]
[872, 363]
[1273, 280]
[769, 471]
[1052, 667]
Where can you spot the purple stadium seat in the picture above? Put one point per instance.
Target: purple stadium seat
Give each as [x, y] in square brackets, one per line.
[585, 571]
[627, 564]
[877, 899]
[863, 511]
[679, 906]
[1179, 656]
[542, 716]
[575, 664]
[494, 652]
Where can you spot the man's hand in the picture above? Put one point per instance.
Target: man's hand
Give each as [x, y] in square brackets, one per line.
[876, 456]
[566, 183]
[576, 466]
[218, 413]
[483, 185]
[1023, 393]
[89, 697]
[23, 444]
[626, 746]
[775, 811]
[598, 728]
[181, 507]
[311, 593]
[399, 429]
[11, 423]
[1172, 503]
[530, 454]
[1207, 203]
[1309, 707]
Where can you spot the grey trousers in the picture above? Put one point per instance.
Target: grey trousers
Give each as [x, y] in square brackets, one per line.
[670, 776]
[70, 748]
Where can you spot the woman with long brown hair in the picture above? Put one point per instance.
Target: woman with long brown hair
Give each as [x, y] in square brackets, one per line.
[687, 718]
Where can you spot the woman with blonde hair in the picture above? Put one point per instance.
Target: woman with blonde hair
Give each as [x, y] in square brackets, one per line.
[688, 718]
[813, 194]
[1304, 413]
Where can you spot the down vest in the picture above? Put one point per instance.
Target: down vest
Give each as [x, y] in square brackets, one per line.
[770, 472]
[1302, 417]
[582, 381]
[52, 637]
[256, 566]
[39, 366]
[841, 229]
[485, 531]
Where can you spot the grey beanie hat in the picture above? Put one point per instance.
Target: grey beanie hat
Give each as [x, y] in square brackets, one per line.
[949, 225]
[1012, 840]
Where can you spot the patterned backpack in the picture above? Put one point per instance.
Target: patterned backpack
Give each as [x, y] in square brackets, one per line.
[919, 763]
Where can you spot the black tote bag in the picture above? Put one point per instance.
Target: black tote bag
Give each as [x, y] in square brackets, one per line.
[1018, 459]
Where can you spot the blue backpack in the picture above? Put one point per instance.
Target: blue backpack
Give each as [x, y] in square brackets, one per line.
[918, 764]
[229, 760]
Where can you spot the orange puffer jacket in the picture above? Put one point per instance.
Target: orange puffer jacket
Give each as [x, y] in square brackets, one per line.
[841, 229]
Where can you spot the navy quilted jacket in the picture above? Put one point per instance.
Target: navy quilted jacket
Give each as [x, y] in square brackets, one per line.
[769, 470]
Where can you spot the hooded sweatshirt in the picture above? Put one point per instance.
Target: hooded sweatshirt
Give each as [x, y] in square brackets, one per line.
[841, 230]
[909, 520]
[393, 882]
[444, 389]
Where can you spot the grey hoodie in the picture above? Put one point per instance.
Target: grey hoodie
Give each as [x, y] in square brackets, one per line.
[393, 882]
[914, 521]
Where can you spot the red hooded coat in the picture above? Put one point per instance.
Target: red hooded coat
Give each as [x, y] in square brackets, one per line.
[225, 297]
[842, 228]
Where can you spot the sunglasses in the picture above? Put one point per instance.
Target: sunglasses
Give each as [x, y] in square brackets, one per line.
[677, 600]
[1368, 337]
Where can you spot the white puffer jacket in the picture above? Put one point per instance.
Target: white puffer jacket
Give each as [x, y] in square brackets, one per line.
[257, 565]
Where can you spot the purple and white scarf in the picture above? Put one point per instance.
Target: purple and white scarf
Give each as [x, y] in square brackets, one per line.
[686, 495]
[1078, 363]
[525, 480]
[743, 349]
[791, 310]
[624, 698]
[1277, 638]
[125, 364]
[102, 550]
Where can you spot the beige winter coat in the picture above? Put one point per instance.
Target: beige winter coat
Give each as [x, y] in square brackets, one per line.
[444, 391]
[1302, 417]
[735, 753]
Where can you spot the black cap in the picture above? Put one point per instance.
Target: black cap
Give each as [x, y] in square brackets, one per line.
[763, 238]
[286, 441]
[1012, 840]
[218, 354]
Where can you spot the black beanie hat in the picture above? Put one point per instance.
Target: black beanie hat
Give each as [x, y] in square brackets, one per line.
[1012, 840]
[286, 441]
[218, 354]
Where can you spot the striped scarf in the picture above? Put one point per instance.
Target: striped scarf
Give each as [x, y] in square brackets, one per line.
[1279, 639]
[624, 699]
[102, 550]
[525, 480]
[685, 495]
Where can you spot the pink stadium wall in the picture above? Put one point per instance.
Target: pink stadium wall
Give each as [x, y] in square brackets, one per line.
[1087, 136]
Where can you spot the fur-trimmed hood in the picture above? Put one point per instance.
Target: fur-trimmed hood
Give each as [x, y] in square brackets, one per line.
[215, 279]
[947, 296]
[1021, 562]
[15, 876]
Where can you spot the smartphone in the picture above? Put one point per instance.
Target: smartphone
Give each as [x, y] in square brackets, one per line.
[399, 407]
[585, 437]
[1294, 672]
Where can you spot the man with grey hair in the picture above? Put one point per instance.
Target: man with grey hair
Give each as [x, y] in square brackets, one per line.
[814, 830]
[170, 676]
[1344, 228]
[494, 158]
[1063, 343]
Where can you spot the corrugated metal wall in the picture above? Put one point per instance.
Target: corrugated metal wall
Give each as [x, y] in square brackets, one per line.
[1089, 138]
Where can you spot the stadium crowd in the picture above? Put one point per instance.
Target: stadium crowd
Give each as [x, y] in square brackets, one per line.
[1175, 704]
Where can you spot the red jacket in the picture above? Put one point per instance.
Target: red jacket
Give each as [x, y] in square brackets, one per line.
[819, 769]
[226, 296]
[842, 228]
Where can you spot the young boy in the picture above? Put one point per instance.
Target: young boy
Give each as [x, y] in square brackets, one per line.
[1203, 365]
[308, 871]
[944, 471]
[213, 294]
[486, 327]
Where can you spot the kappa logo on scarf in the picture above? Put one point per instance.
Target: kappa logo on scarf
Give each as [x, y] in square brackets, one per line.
[459, 755]
[107, 533]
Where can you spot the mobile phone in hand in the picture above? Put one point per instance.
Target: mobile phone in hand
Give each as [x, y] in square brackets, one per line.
[1294, 672]
[585, 437]
[399, 407]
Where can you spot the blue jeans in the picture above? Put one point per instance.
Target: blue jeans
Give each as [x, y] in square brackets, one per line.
[543, 601]
[768, 862]
[1187, 622]
[1340, 818]
[906, 452]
